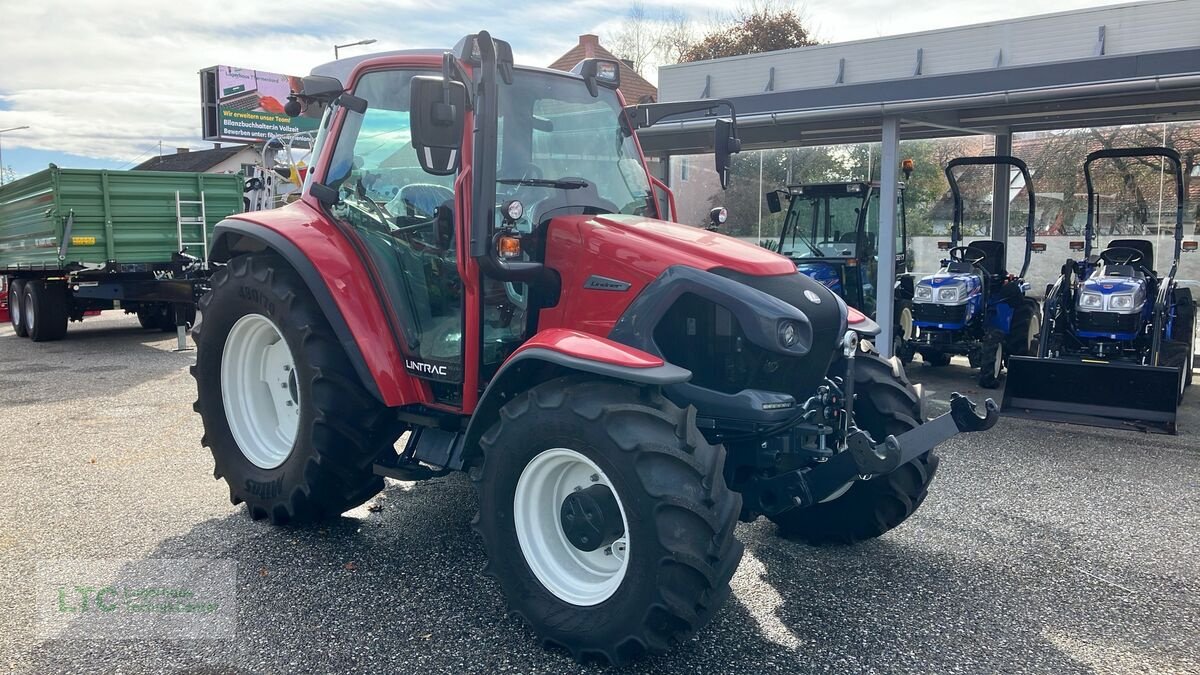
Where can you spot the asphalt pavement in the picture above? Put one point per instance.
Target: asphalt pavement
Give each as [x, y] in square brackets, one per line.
[1042, 548]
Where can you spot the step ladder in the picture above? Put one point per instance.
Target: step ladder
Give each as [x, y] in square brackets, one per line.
[201, 220]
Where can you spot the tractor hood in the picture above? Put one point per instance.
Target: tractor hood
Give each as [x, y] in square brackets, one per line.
[662, 244]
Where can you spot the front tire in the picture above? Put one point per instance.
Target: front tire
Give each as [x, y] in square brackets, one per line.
[291, 428]
[885, 403]
[991, 359]
[677, 517]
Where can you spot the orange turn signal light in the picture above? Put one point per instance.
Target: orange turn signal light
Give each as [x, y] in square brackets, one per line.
[854, 316]
[508, 246]
[1038, 247]
[1190, 245]
[943, 246]
[1076, 245]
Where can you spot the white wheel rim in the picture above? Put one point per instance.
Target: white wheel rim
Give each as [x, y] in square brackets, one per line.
[1035, 329]
[998, 362]
[906, 323]
[14, 308]
[260, 391]
[578, 577]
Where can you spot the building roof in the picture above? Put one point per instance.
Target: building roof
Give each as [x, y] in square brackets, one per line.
[635, 87]
[190, 160]
[1114, 65]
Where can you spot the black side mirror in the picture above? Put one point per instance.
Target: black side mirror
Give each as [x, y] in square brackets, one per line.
[717, 218]
[773, 203]
[438, 109]
[725, 144]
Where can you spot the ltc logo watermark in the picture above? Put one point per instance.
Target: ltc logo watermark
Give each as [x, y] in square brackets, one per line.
[132, 599]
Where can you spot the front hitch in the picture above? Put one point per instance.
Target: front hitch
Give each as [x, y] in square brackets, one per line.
[864, 457]
[896, 451]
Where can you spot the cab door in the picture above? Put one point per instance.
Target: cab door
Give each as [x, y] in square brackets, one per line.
[403, 222]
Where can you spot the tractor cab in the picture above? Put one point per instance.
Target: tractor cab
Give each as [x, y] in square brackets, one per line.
[831, 232]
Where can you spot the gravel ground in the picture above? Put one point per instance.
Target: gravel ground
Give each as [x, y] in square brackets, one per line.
[1041, 548]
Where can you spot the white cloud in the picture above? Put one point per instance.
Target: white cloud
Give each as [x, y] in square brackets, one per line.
[109, 79]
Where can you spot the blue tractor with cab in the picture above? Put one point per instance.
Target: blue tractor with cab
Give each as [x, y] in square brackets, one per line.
[972, 306]
[831, 232]
[1117, 346]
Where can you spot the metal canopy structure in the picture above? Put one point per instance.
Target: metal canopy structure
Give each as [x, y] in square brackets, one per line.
[1136, 63]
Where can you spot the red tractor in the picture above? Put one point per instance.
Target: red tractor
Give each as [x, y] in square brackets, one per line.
[479, 260]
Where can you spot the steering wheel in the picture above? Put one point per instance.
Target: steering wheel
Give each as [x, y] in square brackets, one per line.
[1121, 255]
[967, 254]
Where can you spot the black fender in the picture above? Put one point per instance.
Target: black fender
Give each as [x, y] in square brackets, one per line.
[235, 237]
[533, 365]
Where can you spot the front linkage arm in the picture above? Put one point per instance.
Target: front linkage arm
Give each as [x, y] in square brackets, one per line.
[896, 451]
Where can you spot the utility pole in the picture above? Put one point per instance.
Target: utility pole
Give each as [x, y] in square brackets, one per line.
[2, 168]
[350, 44]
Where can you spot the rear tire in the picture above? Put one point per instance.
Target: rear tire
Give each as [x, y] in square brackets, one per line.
[44, 311]
[678, 517]
[1178, 352]
[885, 403]
[906, 330]
[991, 359]
[16, 304]
[340, 428]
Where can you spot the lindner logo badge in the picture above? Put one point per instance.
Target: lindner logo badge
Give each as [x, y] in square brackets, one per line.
[812, 297]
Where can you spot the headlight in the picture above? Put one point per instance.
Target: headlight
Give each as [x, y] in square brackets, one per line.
[1091, 301]
[923, 293]
[1124, 301]
[789, 334]
[948, 294]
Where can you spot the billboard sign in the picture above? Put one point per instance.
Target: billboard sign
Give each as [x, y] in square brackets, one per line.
[244, 105]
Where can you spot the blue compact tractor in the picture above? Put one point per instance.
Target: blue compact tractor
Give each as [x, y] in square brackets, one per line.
[972, 306]
[1116, 349]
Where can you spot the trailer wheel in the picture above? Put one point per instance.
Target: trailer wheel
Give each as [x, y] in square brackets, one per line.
[291, 428]
[606, 518]
[885, 403]
[45, 311]
[16, 305]
[147, 317]
[166, 317]
[932, 358]
[991, 359]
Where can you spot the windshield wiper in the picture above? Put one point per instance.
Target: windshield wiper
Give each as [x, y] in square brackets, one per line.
[561, 183]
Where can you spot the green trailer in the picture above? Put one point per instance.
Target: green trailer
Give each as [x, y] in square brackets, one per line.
[74, 241]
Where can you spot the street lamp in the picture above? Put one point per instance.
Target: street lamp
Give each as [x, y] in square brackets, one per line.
[5, 131]
[350, 44]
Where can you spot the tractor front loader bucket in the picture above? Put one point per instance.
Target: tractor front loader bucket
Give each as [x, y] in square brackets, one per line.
[1104, 394]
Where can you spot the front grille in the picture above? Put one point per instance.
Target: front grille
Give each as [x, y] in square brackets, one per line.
[931, 313]
[1108, 322]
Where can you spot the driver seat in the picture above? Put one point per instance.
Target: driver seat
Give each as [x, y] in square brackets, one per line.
[993, 256]
[1146, 248]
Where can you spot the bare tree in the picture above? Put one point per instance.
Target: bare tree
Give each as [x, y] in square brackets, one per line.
[637, 40]
[676, 37]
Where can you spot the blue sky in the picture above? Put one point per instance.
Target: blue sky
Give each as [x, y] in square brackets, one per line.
[102, 82]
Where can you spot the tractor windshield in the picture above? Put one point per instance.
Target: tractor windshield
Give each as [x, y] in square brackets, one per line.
[825, 226]
[561, 148]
